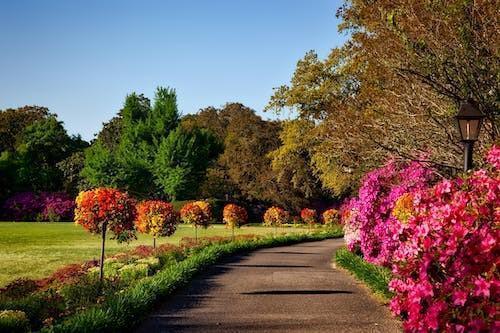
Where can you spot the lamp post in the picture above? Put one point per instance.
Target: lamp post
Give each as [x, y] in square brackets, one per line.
[469, 119]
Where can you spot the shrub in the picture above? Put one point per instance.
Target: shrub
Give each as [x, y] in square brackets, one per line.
[156, 218]
[25, 206]
[368, 223]
[309, 216]
[330, 216]
[57, 206]
[12, 321]
[276, 216]
[446, 264]
[46, 206]
[234, 216]
[19, 288]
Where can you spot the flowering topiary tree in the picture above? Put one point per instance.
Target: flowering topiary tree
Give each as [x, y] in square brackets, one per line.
[275, 217]
[105, 209]
[156, 218]
[309, 216]
[234, 216]
[330, 216]
[445, 268]
[198, 214]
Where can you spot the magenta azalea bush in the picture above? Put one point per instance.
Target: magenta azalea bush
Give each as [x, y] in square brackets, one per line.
[46, 206]
[446, 264]
[441, 242]
[368, 223]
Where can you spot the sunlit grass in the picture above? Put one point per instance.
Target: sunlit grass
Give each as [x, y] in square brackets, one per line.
[35, 250]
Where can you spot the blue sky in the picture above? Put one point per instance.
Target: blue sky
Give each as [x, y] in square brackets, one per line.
[80, 58]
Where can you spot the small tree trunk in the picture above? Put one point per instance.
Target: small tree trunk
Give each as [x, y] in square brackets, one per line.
[101, 268]
[232, 230]
[154, 242]
[275, 230]
[196, 233]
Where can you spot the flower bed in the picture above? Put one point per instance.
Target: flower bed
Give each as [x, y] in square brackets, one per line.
[443, 247]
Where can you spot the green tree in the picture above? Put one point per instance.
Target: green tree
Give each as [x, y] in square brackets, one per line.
[182, 160]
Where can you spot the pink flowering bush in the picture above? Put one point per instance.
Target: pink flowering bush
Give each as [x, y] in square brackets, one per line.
[446, 264]
[368, 223]
[46, 206]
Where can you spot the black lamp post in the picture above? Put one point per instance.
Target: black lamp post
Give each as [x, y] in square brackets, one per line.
[469, 119]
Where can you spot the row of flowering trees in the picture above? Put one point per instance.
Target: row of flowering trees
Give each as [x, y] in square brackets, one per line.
[276, 216]
[439, 237]
[105, 210]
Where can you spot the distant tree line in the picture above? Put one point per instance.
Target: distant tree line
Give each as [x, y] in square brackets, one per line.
[151, 151]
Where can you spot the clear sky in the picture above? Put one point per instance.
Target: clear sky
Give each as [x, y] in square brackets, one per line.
[81, 58]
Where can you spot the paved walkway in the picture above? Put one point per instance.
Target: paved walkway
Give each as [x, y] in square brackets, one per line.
[282, 289]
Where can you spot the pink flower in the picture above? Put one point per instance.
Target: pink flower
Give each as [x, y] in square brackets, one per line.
[482, 288]
[459, 297]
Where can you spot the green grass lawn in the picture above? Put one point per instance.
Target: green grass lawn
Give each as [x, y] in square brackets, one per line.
[35, 250]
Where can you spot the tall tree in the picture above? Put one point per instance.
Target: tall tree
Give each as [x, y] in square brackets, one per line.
[395, 86]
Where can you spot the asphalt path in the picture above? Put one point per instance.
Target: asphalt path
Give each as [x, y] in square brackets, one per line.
[282, 289]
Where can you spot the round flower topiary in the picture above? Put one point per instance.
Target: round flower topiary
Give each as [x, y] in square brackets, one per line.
[156, 218]
[330, 216]
[104, 209]
[276, 216]
[309, 216]
[234, 216]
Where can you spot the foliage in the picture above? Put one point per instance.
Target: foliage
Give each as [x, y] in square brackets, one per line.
[309, 216]
[377, 278]
[145, 151]
[182, 160]
[276, 216]
[35, 141]
[234, 215]
[197, 213]
[156, 218]
[71, 168]
[451, 239]
[395, 86]
[106, 208]
[367, 219]
[243, 170]
[292, 160]
[12, 321]
[29, 206]
[330, 216]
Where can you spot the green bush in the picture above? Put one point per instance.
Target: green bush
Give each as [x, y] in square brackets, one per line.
[38, 306]
[376, 277]
[132, 272]
[12, 321]
[125, 309]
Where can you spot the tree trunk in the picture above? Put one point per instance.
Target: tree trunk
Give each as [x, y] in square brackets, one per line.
[154, 242]
[196, 233]
[232, 235]
[101, 268]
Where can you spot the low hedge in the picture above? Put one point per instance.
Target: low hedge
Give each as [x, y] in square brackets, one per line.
[12, 321]
[125, 310]
[375, 277]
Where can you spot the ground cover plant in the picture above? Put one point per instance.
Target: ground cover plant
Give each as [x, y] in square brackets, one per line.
[145, 273]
